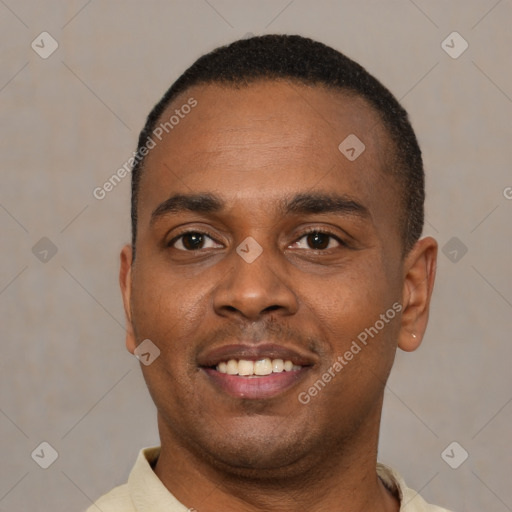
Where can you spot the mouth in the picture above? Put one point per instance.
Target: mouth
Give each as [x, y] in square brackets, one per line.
[260, 367]
[255, 372]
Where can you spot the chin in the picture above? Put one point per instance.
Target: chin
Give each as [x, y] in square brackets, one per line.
[259, 453]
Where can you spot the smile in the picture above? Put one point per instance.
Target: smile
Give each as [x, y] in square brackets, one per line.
[255, 372]
[261, 367]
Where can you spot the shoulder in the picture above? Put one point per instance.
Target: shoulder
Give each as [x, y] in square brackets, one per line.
[413, 502]
[410, 500]
[117, 500]
[417, 504]
[140, 482]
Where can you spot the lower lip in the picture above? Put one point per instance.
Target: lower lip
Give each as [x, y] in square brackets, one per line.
[255, 387]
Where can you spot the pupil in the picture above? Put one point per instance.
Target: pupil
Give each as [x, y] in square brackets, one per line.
[193, 241]
[318, 240]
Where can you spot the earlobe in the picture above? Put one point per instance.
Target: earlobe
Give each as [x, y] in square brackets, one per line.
[409, 342]
[125, 281]
[420, 270]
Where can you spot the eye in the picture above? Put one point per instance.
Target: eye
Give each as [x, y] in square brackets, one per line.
[193, 241]
[317, 240]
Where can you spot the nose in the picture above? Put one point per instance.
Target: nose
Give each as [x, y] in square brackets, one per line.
[253, 290]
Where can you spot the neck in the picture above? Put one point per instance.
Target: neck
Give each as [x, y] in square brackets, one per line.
[341, 478]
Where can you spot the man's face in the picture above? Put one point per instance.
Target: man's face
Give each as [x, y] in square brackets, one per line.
[268, 154]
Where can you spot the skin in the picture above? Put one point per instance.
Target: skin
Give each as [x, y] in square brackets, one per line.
[253, 147]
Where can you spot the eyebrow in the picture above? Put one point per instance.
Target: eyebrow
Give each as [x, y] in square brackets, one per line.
[304, 203]
[324, 203]
[178, 203]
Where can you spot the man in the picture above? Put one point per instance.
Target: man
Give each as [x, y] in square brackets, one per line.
[275, 267]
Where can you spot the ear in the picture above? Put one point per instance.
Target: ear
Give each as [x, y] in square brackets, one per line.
[420, 273]
[125, 280]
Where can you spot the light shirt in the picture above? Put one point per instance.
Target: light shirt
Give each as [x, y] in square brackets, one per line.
[144, 492]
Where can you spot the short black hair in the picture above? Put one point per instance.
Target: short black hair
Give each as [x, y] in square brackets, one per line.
[308, 62]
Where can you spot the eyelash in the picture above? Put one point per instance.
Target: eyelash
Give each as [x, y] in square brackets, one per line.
[190, 231]
[306, 232]
[309, 231]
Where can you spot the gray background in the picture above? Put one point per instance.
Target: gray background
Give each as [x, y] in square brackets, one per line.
[70, 121]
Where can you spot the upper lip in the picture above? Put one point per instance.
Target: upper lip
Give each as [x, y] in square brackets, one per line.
[251, 352]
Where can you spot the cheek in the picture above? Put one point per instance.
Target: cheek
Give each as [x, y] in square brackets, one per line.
[359, 345]
[354, 313]
[351, 299]
[166, 309]
[169, 312]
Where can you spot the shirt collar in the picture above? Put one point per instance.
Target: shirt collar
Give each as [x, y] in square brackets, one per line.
[147, 491]
[410, 501]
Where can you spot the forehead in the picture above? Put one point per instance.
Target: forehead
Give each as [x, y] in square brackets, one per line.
[275, 113]
[260, 141]
[271, 115]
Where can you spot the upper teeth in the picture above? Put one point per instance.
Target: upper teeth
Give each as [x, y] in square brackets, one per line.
[261, 367]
